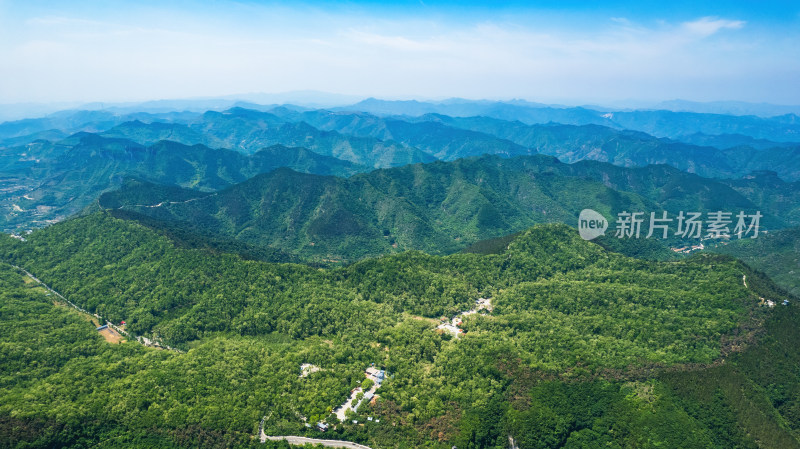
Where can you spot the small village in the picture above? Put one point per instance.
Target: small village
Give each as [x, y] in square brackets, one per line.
[689, 249]
[453, 325]
[357, 397]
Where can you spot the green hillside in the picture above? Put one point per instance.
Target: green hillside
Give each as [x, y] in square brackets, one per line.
[438, 208]
[583, 348]
[259, 268]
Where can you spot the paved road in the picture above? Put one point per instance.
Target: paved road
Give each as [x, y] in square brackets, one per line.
[326, 443]
[140, 339]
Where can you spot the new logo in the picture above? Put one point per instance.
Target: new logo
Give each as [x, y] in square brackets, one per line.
[591, 224]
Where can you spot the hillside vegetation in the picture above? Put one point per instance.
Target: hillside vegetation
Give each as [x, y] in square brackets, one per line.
[438, 208]
[570, 321]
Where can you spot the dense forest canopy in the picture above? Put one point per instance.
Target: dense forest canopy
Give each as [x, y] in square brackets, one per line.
[438, 208]
[570, 322]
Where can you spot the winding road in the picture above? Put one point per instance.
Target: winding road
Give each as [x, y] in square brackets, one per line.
[304, 440]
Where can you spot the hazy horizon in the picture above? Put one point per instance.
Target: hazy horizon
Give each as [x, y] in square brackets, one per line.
[328, 100]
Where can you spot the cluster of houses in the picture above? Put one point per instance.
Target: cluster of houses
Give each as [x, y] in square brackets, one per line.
[689, 249]
[453, 325]
[377, 376]
[770, 303]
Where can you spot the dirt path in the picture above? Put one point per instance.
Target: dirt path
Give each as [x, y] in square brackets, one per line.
[167, 202]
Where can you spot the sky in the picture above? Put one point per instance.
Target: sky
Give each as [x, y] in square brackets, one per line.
[552, 51]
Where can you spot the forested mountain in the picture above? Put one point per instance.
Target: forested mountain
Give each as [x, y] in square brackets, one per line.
[52, 135]
[633, 148]
[439, 207]
[375, 141]
[771, 193]
[71, 122]
[444, 136]
[434, 137]
[581, 346]
[248, 130]
[659, 123]
[434, 207]
[783, 161]
[48, 180]
[45, 181]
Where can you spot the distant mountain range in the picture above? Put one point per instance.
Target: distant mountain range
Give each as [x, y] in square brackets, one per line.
[659, 123]
[56, 166]
[674, 120]
[44, 182]
[381, 142]
[728, 107]
[446, 138]
[248, 130]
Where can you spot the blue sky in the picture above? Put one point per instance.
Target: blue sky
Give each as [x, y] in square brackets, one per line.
[553, 51]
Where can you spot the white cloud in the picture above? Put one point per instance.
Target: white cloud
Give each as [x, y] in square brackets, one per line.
[400, 43]
[707, 26]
